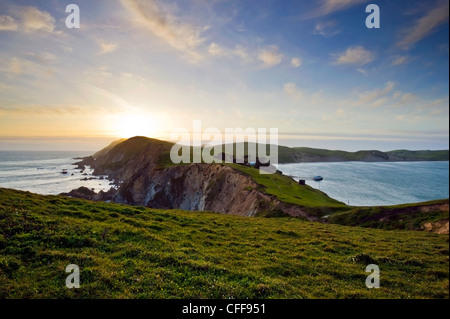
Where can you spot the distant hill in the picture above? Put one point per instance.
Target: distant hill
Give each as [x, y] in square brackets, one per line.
[304, 154]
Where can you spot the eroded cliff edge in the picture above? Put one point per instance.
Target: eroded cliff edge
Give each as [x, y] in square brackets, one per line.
[137, 165]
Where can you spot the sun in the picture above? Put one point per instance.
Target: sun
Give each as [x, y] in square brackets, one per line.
[130, 125]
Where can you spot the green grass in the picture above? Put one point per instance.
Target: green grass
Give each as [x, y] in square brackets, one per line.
[288, 155]
[135, 252]
[422, 155]
[289, 191]
[406, 216]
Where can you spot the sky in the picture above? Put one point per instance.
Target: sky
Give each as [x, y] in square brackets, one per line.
[312, 69]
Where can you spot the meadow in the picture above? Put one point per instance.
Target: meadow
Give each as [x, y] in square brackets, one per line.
[137, 252]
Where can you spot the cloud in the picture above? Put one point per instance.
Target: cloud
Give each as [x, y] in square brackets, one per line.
[35, 20]
[331, 6]
[292, 90]
[326, 29]
[362, 71]
[425, 25]
[407, 98]
[180, 36]
[354, 55]
[42, 58]
[19, 66]
[42, 110]
[215, 50]
[107, 47]
[241, 52]
[7, 23]
[374, 97]
[399, 60]
[296, 62]
[270, 56]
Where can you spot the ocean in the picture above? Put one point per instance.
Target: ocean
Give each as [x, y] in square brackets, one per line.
[354, 183]
[41, 172]
[375, 184]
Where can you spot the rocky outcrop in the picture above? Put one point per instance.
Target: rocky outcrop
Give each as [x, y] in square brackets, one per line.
[203, 187]
[86, 193]
[439, 227]
[135, 165]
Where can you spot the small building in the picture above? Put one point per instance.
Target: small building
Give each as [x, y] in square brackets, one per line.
[302, 182]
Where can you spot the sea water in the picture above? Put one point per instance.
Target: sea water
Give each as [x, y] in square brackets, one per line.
[41, 172]
[375, 184]
[354, 183]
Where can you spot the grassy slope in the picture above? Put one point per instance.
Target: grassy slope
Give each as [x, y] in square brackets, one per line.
[287, 154]
[406, 216]
[133, 252]
[289, 191]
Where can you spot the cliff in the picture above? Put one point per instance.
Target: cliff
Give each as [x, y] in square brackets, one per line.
[139, 167]
[145, 176]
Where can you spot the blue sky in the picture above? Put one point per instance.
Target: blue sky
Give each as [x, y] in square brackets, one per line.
[309, 68]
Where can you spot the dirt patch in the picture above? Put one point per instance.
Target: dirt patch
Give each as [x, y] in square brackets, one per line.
[439, 227]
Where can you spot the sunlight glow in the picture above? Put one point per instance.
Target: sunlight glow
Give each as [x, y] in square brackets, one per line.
[136, 124]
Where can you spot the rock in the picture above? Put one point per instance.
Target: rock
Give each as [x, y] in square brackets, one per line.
[82, 192]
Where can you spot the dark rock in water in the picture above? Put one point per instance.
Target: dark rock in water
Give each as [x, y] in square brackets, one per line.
[101, 178]
[82, 192]
[85, 161]
[79, 166]
[88, 179]
[90, 194]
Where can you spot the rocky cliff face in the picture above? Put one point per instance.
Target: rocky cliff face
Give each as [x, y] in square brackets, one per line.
[202, 187]
[135, 165]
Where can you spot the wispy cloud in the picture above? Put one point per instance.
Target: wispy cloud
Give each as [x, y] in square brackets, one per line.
[296, 62]
[270, 56]
[17, 66]
[42, 58]
[241, 52]
[42, 110]
[181, 36]
[215, 50]
[34, 20]
[292, 90]
[326, 29]
[374, 97]
[362, 71]
[425, 25]
[354, 55]
[107, 46]
[399, 60]
[330, 6]
[7, 23]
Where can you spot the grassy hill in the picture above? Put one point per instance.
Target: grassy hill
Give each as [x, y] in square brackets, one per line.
[305, 154]
[136, 252]
[407, 216]
[289, 191]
